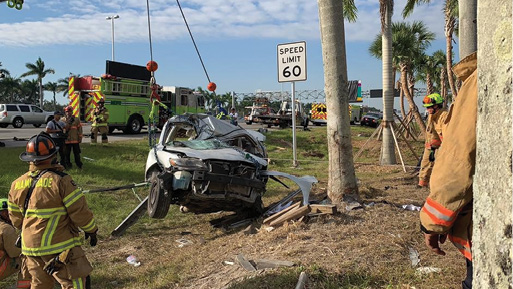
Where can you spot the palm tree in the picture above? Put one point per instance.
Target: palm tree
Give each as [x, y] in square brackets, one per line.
[11, 87]
[451, 12]
[52, 86]
[430, 71]
[38, 69]
[342, 185]
[29, 91]
[386, 9]
[409, 41]
[3, 71]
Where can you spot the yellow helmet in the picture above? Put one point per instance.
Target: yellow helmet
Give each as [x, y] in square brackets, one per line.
[432, 99]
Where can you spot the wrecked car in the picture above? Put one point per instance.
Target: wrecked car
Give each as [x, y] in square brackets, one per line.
[205, 165]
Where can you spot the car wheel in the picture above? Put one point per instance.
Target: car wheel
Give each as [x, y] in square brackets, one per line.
[4, 125]
[158, 200]
[134, 125]
[249, 122]
[17, 122]
[37, 125]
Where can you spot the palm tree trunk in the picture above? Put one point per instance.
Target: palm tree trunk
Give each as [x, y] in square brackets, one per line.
[411, 81]
[443, 85]
[401, 96]
[54, 102]
[413, 107]
[467, 27]
[387, 149]
[41, 93]
[429, 84]
[450, 23]
[342, 186]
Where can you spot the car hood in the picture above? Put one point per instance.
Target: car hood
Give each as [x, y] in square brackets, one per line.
[224, 154]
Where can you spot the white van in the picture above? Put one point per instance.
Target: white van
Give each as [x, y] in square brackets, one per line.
[19, 114]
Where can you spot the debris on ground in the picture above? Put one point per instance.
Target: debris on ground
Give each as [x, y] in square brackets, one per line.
[411, 207]
[414, 257]
[132, 260]
[301, 283]
[183, 242]
[428, 270]
[245, 263]
[353, 206]
[259, 264]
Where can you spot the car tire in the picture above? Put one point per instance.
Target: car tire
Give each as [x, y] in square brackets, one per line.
[134, 125]
[4, 125]
[158, 199]
[37, 125]
[249, 122]
[17, 122]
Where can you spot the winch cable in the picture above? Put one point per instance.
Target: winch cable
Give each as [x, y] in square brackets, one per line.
[193, 41]
[154, 98]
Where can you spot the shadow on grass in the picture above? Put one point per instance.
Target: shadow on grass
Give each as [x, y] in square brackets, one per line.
[317, 278]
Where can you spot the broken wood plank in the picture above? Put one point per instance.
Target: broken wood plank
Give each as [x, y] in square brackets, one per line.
[301, 283]
[245, 263]
[280, 213]
[327, 209]
[264, 263]
[291, 215]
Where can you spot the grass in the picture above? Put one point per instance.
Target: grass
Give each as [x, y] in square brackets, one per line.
[365, 248]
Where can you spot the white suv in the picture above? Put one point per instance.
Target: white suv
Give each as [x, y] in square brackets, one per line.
[19, 114]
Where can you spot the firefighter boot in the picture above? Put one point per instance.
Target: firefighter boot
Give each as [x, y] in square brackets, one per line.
[105, 139]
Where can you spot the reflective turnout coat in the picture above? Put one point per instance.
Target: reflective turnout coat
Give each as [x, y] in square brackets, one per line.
[435, 129]
[74, 130]
[56, 211]
[9, 254]
[448, 208]
[100, 117]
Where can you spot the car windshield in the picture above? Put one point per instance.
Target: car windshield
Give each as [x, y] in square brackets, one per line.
[199, 144]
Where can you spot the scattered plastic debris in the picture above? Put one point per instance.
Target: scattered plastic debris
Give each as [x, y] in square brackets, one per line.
[371, 204]
[427, 270]
[354, 206]
[88, 159]
[132, 260]
[279, 208]
[183, 242]
[228, 263]
[411, 207]
[414, 257]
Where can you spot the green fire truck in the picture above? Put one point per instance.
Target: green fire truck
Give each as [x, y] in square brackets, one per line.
[126, 91]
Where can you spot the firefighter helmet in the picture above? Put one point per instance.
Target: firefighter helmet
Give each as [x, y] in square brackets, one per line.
[3, 204]
[39, 147]
[68, 108]
[432, 99]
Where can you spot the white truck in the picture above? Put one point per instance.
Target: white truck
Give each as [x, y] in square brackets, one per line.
[283, 118]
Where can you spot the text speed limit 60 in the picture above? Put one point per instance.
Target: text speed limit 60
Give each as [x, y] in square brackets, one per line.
[292, 62]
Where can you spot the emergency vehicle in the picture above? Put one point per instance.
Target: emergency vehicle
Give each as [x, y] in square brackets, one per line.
[319, 114]
[126, 91]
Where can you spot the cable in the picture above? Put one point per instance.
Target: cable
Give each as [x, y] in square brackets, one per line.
[193, 42]
[149, 30]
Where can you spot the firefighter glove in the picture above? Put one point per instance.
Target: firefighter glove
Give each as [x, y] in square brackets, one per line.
[432, 155]
[433, 242]
[93, 237]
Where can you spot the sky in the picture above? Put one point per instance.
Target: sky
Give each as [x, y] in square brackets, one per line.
[237, 39]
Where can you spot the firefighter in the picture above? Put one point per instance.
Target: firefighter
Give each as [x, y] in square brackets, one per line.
[447, 211]
[434, 135]
[100, 125]
[50, 210]
[10, 255]
[55, 128]
[74, 130]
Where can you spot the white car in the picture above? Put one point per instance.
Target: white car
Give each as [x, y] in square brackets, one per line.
[206, 165]
[19, 114]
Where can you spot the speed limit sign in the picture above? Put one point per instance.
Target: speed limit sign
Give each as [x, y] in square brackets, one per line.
[292, 62]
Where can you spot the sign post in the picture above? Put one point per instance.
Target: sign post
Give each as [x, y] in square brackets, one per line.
[292, 68]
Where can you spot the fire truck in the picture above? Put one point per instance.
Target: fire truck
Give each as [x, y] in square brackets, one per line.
[319, 114]
[126, 91]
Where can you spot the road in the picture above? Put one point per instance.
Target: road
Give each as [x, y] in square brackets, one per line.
[7, 135]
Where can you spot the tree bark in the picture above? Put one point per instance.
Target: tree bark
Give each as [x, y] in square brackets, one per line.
[41, 93]
[342, 186]
[413, 107]
[450, 23]
[387, 149]
[467, 27]
[492, 233]
[443, 85]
